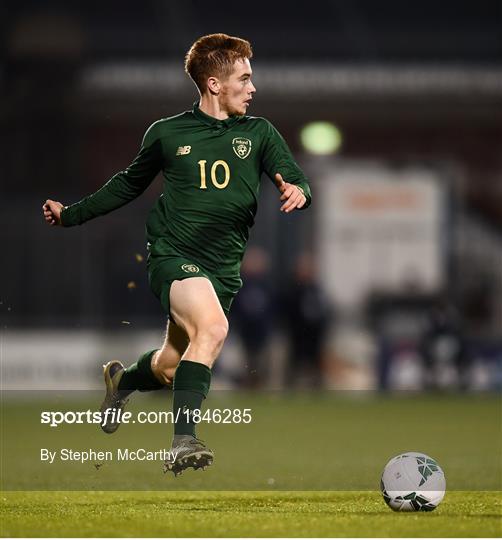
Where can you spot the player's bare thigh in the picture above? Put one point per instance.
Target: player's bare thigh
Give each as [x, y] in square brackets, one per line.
[197, 310]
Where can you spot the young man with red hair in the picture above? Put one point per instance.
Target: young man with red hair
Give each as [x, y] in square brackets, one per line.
[211, 158]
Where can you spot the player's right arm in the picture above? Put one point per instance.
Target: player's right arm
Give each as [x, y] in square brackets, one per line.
[122, 188]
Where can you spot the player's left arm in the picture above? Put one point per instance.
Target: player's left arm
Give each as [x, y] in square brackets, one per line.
[280, 166]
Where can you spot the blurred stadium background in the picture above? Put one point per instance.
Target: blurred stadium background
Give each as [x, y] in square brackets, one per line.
[392, 280]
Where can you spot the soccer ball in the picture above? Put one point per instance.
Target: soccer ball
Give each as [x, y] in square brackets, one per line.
[413, 482]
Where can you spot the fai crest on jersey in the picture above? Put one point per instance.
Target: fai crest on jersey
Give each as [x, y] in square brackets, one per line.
[242, 147]
[190, 268]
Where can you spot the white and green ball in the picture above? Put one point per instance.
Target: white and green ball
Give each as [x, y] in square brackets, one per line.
[413, 482]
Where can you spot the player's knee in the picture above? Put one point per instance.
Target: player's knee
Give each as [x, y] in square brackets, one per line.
[217, 333]
[213, 335]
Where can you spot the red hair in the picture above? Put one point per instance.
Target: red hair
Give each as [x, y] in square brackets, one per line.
[214, 55]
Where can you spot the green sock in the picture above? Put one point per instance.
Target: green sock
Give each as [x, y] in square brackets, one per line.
[140, 376]
[190, 385]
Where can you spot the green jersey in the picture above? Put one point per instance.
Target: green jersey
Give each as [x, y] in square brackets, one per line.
[211, 171]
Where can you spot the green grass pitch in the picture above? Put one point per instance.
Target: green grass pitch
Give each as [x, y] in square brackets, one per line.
[308, 465]
[247, 514]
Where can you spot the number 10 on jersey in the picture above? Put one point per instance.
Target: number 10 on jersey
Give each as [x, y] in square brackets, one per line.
[220, 163]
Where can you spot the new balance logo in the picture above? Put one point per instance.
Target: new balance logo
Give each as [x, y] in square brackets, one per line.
[183, 150]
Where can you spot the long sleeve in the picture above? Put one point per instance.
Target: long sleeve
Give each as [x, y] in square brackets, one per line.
[277, 158]
[123, 187]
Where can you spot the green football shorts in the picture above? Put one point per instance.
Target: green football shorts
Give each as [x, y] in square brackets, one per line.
[162, 271]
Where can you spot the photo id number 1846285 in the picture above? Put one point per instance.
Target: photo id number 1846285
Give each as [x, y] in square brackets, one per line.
[218, 416]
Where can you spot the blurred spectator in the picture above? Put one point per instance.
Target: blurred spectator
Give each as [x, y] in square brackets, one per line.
[443, 345]
[307, 315]
[253, 314]
[421, 342]
[398, 322]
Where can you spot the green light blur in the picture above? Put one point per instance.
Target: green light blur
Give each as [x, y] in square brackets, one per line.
[321, 138]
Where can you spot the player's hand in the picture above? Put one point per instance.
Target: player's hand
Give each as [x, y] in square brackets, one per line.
[52, 212]
[292, 195]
